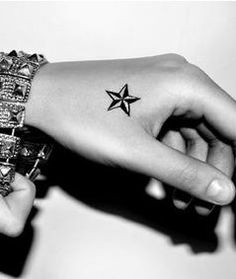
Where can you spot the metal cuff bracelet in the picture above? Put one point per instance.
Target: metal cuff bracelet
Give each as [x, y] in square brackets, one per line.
[17, 70]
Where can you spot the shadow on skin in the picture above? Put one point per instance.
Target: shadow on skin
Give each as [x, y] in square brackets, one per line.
[117, 192]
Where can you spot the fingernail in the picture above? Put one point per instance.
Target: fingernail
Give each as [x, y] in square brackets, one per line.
[220, 192]
[203, 208]
[181, 199]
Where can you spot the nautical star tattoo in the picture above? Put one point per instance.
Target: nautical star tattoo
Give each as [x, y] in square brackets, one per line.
[122, 99]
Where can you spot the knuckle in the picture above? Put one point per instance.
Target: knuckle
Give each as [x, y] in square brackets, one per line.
[171, 61]
[217, 144]
[175, 57]
[192, 68]
[194, 144]
[194, 74]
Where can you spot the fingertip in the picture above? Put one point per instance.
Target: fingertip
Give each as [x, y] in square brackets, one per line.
[203, 211]
[220, 191]
[181, 200]
[180, 204]
[204, 208]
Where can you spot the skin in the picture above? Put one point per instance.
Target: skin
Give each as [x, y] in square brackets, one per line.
[69, 102]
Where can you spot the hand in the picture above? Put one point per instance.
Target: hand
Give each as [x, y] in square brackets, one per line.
[69, 102]
[15, 208]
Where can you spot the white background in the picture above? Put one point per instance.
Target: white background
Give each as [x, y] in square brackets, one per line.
[73, 241]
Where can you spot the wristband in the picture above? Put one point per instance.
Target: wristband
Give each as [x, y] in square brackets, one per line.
[17, 70]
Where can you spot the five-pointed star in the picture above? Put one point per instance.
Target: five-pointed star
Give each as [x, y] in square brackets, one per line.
[122, 99]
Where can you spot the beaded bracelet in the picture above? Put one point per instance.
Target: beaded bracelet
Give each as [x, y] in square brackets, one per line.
[17, 70]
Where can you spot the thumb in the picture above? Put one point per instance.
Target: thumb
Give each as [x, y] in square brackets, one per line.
[15, 208]
[172, 167]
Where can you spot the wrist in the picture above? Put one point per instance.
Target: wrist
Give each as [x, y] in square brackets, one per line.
[37, 105]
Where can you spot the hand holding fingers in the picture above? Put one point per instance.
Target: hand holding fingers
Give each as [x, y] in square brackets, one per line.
[166, 87]
[172, 167]
[216, 109]
[205, 148]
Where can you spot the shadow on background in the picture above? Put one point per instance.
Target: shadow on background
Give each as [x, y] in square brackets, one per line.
[15, 251]
[115, 191]
[122, 193]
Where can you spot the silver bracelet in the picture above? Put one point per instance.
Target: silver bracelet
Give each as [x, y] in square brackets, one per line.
[17, 70]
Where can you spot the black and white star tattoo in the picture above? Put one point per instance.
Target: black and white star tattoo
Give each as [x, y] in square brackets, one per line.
[122, 99]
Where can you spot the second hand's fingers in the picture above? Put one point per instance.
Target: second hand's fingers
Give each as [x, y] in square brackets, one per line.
[174, 139]
[15, 208]
[220, 154]
[151, 157]
[197, 148]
